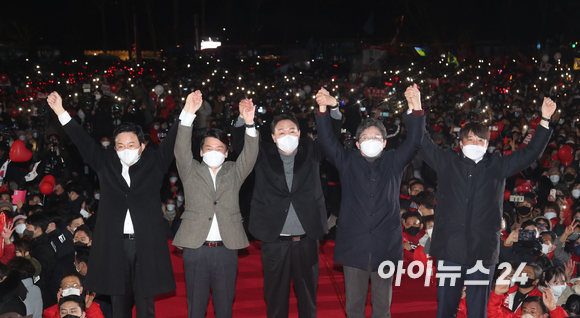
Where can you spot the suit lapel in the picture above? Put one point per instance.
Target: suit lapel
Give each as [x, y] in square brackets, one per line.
[225, 169]
[277, 165]
[118, 168]
[206, 176]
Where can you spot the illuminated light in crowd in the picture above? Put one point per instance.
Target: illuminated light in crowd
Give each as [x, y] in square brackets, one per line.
[231, 93]
[242, 60]
[188, 65]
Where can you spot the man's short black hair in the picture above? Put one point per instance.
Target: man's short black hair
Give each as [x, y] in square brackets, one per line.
[38, 220]
[528, 223]
[214, 133]
[23, 244]
[371, 122]
[71, 274]
[478, 129]
[552, 235]
[85, 228]
[538, 271]
[409, 214]
[129, 127]
[426, 199]
[24, 266]
[74, 298]
[82, 254]
[71, 217]
[282, 117]
[536, 299]
[74, 187]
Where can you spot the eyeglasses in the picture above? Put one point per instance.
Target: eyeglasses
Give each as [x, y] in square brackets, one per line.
[364, 138]
[71, 285]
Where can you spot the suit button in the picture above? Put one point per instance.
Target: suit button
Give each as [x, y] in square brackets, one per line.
[373, 179]
[370, 231]
[209, 218]
[215, 203]
[372, 196]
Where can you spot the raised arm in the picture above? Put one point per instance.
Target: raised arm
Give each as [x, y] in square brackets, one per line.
[415, 126]
[327, 139]
[523, 158]
[249, 153]
[182, 149]
[92, 152]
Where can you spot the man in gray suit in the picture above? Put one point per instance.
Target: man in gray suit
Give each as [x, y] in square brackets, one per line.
[211, 231]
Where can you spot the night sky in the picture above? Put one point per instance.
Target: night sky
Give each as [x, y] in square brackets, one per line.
[77, 24]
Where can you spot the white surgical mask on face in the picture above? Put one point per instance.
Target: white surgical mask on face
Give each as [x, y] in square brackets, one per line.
[106, 143]
[20, 228]
[223, 98]
[550, 215]
[84, 213]
[22, 137]
[528, 316]
[156, 127]
[546, 248]
[490, 149]
[173, 179]
[473, 152]
[576, 193]
[397, 121]
[430, 232]
[371, 148]
[555, 178]
[214, 159]
[558, 290]
[170, 207]
[180, 198]
[97, 96]
[71, 291]
[97, 196]
[129, 156]
[287, 143]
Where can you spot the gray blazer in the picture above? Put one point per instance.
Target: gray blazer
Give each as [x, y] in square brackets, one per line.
[202, 201]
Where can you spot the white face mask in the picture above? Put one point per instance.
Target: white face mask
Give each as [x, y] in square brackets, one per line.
[129, 156]
[22, 137]
[546, 248]
[106, 143]
[170, 207]
[173, 179]
[97, 96]
[71, 291]
[473, 152]
[490, 149]
[430, 232]
[555, 178]
[97, 196]
[397, 122]
[287, 143]
[550, 215]
[20, 228]
[84, 213]
[223, 98]
[33, 134]
[558, 290]
[156, 127]
[576, 193]
[214, 159]
[371, 148]
[528, 316]
[180, 198]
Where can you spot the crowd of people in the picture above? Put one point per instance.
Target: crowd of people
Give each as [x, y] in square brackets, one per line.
[473, 163]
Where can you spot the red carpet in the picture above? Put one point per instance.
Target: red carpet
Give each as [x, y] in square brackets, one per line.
[411, 299]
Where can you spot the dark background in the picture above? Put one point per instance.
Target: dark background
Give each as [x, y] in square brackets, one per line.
[108, 24]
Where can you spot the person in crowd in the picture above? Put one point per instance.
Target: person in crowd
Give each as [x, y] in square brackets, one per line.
[72, 305]
[288, 214]
[73, 222]
[368, 229]
[211, 232]
[42, 251]
[12, 292]
[469, 207]
[412, 234]
[9, 251]
[33, 299]
[129, 214]
[83, 236]
[75, 193]
[71, 284]
[426, 201]
[22, 248]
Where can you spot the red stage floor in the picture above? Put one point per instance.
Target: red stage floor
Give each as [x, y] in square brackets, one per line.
[411, 299]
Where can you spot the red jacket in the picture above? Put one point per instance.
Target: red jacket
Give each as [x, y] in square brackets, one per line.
[9, 253]
[496, 309]
[92, 312]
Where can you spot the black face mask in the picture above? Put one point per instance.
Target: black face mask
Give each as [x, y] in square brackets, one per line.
[568, 177]
[529, 283]
[413, 230]
[70, 316]
[405, 192]
[523, 210]
[81, 244]
[28, 233]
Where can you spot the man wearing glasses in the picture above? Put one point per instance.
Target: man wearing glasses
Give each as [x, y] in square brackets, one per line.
[369, 227]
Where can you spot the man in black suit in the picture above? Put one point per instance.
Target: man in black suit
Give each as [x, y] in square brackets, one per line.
[288, 214]
[129, 255]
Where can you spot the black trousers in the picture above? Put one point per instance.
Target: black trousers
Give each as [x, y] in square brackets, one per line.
[123, 304]
[288, 260]
[210, 267]
[477, 296]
